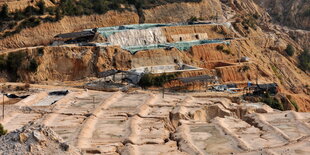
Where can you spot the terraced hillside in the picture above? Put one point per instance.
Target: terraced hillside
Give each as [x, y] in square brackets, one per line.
[146, 123]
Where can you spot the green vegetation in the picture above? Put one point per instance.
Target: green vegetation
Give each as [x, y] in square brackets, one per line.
[40, 51]
[2, 63]
[4, 13]
[193, 19]
[304, 60]
[272, 102]
[148, 80]
[41, 6]
[295, 105]
[293, 102]
[289, 50]
[33, 66]
[2, 131]
[250, 21]
[32, 16]
[222, 49]
[277, 72]
[13, 62]
[219, 47]
[244, 68]
[226, 51]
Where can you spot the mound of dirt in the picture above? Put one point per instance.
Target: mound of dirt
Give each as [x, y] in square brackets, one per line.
[34, 139]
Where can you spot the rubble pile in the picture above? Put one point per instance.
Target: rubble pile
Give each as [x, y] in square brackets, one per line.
[34, 139]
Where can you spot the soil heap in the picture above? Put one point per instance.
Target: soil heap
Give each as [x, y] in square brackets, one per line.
[33, 139]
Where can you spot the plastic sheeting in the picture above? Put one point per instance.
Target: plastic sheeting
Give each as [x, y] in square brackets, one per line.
[182, 46]
[107, 31]
[138, 37]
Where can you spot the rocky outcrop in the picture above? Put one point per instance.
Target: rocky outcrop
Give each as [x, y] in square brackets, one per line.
[35, 139]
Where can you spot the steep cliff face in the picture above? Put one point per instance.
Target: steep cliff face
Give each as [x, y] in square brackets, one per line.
[292, 13]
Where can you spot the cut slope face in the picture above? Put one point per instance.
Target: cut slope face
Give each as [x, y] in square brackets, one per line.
[146, 123]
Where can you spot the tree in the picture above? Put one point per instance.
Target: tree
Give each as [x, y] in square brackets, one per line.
[4, 14]
[58, 15]
[29, 11]
[41, 6]
[290, 50]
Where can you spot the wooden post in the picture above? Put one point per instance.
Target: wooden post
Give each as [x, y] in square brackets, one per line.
[163, 92]
[3, 106]
[94, 101]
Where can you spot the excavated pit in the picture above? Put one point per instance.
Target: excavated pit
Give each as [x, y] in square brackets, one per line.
[146, 123]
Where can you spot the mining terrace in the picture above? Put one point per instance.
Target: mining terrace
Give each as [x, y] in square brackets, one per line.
[146, 122]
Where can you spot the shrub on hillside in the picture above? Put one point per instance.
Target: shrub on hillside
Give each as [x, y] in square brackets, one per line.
[148, 80]
[290, 50]
[2, 131]
[33, 66]
[250, 21]
[272, 102]
[227, 51]
[244, 68]
[219, 47]
[2, 63]
[30, 22]
[192, 19]
[304, 60]
[4, 13]
[41, 6]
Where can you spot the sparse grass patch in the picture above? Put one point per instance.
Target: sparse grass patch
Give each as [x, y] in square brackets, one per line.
[293, 102]
[277, 72]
